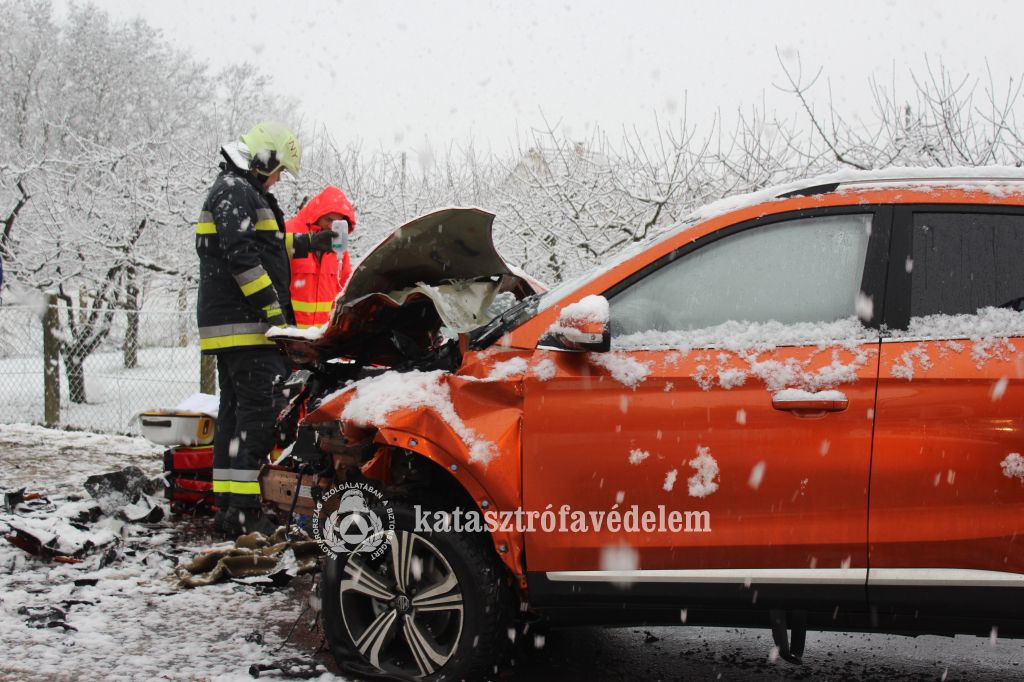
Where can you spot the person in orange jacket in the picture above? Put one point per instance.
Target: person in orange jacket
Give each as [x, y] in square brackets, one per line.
[316, 279]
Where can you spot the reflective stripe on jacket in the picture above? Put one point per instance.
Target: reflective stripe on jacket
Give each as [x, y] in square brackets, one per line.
[244, 272]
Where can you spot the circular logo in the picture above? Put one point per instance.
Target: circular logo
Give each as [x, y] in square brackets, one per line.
[362, 522]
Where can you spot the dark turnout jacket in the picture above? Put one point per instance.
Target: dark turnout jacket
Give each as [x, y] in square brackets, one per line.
[244, 272]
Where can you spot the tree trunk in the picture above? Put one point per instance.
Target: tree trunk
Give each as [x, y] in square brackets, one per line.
[51, 363]
[208, 374]
[131, 333]
[75, 369]
[183, 309]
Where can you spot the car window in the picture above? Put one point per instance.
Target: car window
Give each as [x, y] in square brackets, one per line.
[804, 270]
[962, 262]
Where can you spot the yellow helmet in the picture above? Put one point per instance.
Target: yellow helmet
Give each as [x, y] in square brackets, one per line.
[273, 145]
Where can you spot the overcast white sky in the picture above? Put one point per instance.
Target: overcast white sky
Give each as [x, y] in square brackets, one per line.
[395, 73]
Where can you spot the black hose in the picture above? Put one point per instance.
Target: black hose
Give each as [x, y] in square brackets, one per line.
[295, 500]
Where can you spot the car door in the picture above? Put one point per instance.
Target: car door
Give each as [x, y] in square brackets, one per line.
[738, 394]
[947, 481]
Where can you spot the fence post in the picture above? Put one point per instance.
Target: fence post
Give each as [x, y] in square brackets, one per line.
[208, 374]
[51, 363]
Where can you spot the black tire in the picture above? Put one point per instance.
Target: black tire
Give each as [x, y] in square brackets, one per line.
[471, 640]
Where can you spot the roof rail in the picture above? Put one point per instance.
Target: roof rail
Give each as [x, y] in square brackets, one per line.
[809, 191]
[826, 188]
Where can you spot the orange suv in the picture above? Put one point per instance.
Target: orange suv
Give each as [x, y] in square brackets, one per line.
[799, 409]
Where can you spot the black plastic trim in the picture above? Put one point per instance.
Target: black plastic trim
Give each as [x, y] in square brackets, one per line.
[811, 191]
[936, 610]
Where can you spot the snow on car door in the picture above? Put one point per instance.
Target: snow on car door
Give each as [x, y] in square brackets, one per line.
[947, 481]
[739, 388]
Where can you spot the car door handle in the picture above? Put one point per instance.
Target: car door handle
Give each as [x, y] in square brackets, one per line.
[806, 404]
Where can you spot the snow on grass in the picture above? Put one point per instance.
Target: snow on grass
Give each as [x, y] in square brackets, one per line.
[163, 378]
[377, 397]
[134, 622]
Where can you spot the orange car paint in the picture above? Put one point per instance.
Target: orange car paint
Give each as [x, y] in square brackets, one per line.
[811, 507]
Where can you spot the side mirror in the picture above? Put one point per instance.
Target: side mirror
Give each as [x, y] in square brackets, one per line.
[581, 327]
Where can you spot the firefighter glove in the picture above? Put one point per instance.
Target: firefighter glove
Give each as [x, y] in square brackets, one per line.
[320, 242]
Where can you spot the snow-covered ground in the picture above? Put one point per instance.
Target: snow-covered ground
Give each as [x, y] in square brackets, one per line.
[134, 623]
[163, 378]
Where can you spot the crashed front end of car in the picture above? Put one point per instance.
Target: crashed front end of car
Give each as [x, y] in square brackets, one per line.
[400, 376]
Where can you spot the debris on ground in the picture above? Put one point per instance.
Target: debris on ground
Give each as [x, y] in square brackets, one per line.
[254, 559]
[127, 493]
[294, 668]
[67, 528]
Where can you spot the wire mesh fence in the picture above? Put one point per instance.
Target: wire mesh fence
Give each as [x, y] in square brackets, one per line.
[147, 359]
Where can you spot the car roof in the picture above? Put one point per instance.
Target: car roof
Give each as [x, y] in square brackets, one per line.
[995, 180]
[897, 184]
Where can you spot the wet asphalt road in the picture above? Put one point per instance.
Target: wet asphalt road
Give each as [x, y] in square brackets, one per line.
[681, 653]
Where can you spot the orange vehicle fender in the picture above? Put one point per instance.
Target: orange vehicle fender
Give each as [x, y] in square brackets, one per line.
[508, 545]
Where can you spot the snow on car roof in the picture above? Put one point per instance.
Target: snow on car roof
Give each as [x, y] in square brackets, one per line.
[990, 179]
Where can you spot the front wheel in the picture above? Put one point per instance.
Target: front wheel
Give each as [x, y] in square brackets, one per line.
[433, 605]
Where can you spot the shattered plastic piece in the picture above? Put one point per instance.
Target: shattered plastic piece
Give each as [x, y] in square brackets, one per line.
[53, 538]
[118, 488]
[304, 669]
[144, 510]
[45, 617]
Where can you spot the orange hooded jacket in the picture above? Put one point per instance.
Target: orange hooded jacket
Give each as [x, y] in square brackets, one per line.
[317, 281]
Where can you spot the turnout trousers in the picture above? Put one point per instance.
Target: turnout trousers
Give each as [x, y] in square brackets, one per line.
[250, 400]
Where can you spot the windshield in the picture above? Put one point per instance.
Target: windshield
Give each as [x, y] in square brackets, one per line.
[564, 288]
[510, 318]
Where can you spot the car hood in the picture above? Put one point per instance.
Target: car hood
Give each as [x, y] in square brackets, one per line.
[439, 270]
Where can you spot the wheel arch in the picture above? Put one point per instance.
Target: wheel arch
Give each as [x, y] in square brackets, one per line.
[447, 474]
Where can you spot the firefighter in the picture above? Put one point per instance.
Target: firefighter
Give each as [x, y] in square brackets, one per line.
[243, 291]
[316, 280]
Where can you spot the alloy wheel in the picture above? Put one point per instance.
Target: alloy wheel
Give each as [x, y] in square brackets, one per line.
[403, 611]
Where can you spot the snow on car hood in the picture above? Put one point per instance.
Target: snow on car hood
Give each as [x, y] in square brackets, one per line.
[439, 270]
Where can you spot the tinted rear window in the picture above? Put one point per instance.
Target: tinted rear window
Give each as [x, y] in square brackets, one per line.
[965, 261]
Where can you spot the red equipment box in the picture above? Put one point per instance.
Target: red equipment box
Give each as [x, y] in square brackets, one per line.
[189, 475]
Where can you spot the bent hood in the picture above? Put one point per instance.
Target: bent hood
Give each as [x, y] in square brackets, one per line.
[439, 270]
[450, 244]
